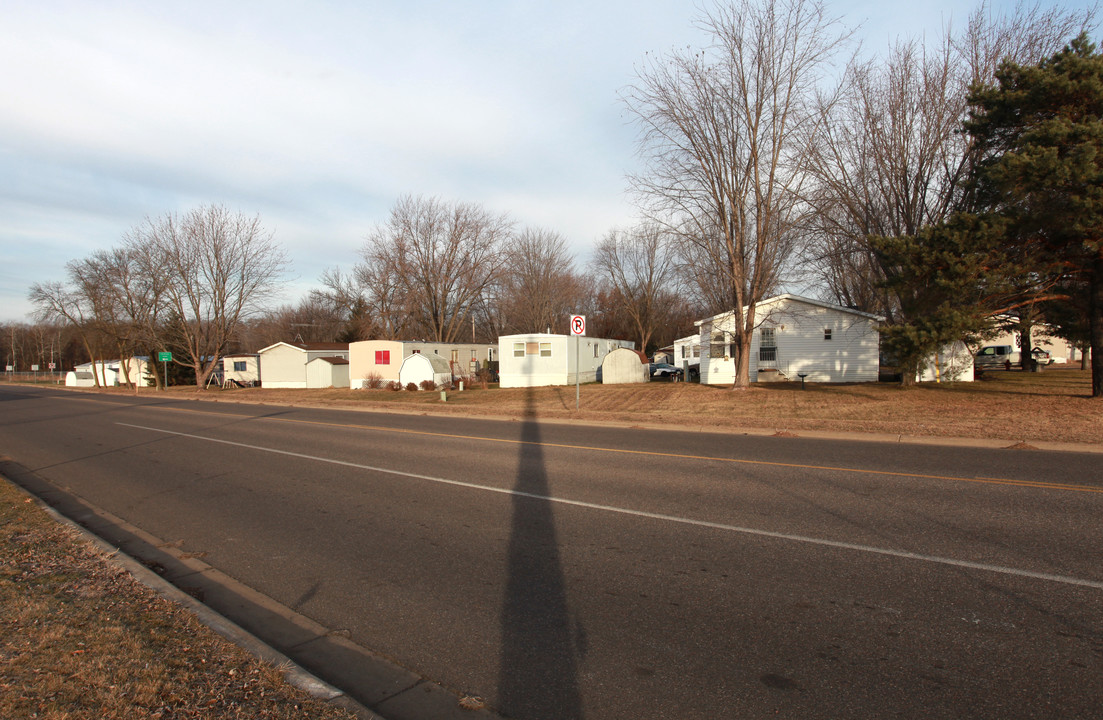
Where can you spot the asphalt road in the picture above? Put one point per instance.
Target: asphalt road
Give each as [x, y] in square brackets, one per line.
[578, 572]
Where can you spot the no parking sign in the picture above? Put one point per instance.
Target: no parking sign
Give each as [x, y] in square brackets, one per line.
[578, 324]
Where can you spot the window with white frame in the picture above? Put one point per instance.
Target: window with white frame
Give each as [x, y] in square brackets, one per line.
[518, 349]
[545, 349]
[767, 345]
[827, 333]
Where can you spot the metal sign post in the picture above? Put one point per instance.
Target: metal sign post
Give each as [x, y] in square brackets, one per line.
[578, 329]
[164, 357]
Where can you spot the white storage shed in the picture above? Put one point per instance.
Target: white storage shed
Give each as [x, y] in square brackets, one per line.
[419, 367]
[624, 366]
[327, 372]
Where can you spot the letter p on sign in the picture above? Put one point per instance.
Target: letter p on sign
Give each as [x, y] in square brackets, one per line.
[578, 324]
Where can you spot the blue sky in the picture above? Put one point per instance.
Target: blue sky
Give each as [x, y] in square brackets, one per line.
[318, 115]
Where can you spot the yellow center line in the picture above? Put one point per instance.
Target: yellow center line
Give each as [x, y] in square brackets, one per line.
[678, 456]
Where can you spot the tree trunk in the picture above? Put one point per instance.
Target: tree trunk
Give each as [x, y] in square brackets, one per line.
[1026, 346]
[742, 359]
[1095, 319]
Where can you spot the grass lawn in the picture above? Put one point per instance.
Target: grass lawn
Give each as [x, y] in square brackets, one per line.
[81, 639]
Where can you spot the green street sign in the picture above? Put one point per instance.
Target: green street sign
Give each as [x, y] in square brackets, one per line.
[164, 357]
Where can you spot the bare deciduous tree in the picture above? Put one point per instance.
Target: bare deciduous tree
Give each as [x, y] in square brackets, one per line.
[639, 267]
[218, 266]
[540, 288]
[891, 158]
[724, 136]
[76, 302]
[432, 261]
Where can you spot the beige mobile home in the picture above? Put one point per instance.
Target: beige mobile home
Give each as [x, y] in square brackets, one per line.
[283, 365]
[383, 358]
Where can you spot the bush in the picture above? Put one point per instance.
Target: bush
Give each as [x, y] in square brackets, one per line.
[373, 381]
[428, 385]
[394, 385]
[411, 387]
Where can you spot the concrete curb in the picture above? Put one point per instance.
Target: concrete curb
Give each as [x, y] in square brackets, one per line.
[293, 673]
[391, 691]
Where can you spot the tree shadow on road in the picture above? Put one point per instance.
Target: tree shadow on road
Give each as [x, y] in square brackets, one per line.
[539, 674]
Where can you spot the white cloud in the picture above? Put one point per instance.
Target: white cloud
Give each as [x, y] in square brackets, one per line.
[316, 115]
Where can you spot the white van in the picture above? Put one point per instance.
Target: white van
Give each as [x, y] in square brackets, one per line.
[1006, 356]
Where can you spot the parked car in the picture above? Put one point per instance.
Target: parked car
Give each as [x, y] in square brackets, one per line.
[1005, 356]
[665, 371]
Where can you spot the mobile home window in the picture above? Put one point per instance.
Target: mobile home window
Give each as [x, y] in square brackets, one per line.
[382, 357]
[545, 349]
[239, 366]
[827, 333]
[532, 348]
[518, 349]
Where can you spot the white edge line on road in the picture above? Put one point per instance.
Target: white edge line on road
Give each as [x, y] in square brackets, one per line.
[1065, 579]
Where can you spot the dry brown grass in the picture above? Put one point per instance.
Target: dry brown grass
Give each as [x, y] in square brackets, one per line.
[1053, 405]
[80, 638]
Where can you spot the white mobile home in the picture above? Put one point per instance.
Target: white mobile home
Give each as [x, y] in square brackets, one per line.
[241, 369]
[384, 358]
[687, 351]
[540, 359]
[794, 336]
[284, 364]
